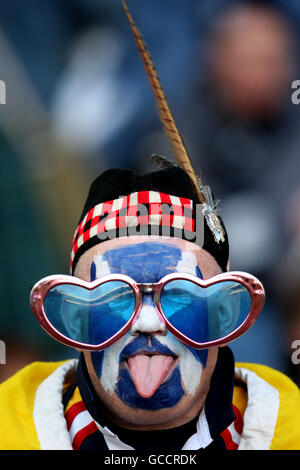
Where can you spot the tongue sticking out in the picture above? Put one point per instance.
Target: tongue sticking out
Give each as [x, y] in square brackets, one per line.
[148, 372]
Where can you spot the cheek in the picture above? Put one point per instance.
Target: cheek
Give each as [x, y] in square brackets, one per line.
[190, 362]
[107, 363]
[97, 361]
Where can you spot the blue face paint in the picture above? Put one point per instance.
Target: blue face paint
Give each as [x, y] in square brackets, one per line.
[97, 360]
[145, 262]
[167, 395]
[93, 271]
[199, 354]
[141, 344]
[198, 272]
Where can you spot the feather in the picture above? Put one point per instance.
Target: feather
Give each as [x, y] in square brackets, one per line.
[165, 114]
[162, 162]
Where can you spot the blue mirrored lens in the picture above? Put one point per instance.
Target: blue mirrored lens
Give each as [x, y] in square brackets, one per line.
[90, 316]
[205, 314]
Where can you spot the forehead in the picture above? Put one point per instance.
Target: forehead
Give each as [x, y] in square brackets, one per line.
[146, 259]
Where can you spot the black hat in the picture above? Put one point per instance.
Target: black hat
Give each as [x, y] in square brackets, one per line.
[116, 185]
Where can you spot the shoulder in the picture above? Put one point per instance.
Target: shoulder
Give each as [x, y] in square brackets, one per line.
[17, 397]
[274, 402]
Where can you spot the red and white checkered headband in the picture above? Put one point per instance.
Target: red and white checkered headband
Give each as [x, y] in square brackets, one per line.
[139, 213]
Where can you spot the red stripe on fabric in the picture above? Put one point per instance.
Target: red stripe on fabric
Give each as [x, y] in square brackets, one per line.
[86, 233]
[83, 434]
[189, 225]
[226, 436]
[81, 226]
[238, 422]
[89, 216]
[143, 197]
[74, 251]
[186, 202]
[95, 221]
[177, 210]
[166, 220]
[106, 207]
[73, 411]
[165, 199]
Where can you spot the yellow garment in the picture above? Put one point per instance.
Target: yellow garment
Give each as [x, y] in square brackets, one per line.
[16, 406]
[17, 396]
[239, 399]
[287, 430]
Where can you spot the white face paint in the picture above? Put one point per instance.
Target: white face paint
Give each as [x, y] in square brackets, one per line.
[190, 367]
[187, 264]
[148, 323]
[102, 266]
[110, 366]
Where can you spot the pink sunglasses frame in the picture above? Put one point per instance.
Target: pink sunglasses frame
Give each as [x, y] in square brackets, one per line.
[252, 284]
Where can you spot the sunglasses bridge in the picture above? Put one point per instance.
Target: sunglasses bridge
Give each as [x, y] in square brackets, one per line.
[147, 287]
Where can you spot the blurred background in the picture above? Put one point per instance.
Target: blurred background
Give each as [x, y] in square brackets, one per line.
[78, 102]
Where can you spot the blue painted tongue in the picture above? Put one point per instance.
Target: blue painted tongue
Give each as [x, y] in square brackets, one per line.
[148, 372]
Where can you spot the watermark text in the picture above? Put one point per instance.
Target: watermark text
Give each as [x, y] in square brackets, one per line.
[2, 352]
[296, 354]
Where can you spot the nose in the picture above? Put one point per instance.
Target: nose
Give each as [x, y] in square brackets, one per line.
[148, 321]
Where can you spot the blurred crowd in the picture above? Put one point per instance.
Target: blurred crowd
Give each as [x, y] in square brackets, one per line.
[78, 102]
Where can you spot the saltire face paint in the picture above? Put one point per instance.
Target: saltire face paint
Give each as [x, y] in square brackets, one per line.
[148, 262]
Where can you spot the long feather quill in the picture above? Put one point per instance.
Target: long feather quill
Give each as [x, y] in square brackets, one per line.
[165, 114]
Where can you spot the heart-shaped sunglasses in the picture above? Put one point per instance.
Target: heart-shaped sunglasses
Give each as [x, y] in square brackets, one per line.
[200, 313]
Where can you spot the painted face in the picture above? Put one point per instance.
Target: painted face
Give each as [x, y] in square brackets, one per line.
[148, 375]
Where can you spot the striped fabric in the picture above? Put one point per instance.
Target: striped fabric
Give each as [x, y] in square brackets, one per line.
[139, 209]
[81, 425]
[232, 435]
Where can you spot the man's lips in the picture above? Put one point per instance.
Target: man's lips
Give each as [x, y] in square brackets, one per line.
[148, 370]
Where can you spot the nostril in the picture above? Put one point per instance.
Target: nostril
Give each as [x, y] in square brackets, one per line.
[148, 322]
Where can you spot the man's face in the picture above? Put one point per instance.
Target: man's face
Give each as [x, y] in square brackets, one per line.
[149, 379]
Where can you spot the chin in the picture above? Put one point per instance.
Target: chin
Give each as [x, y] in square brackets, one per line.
[170, 406]
[145, 419]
